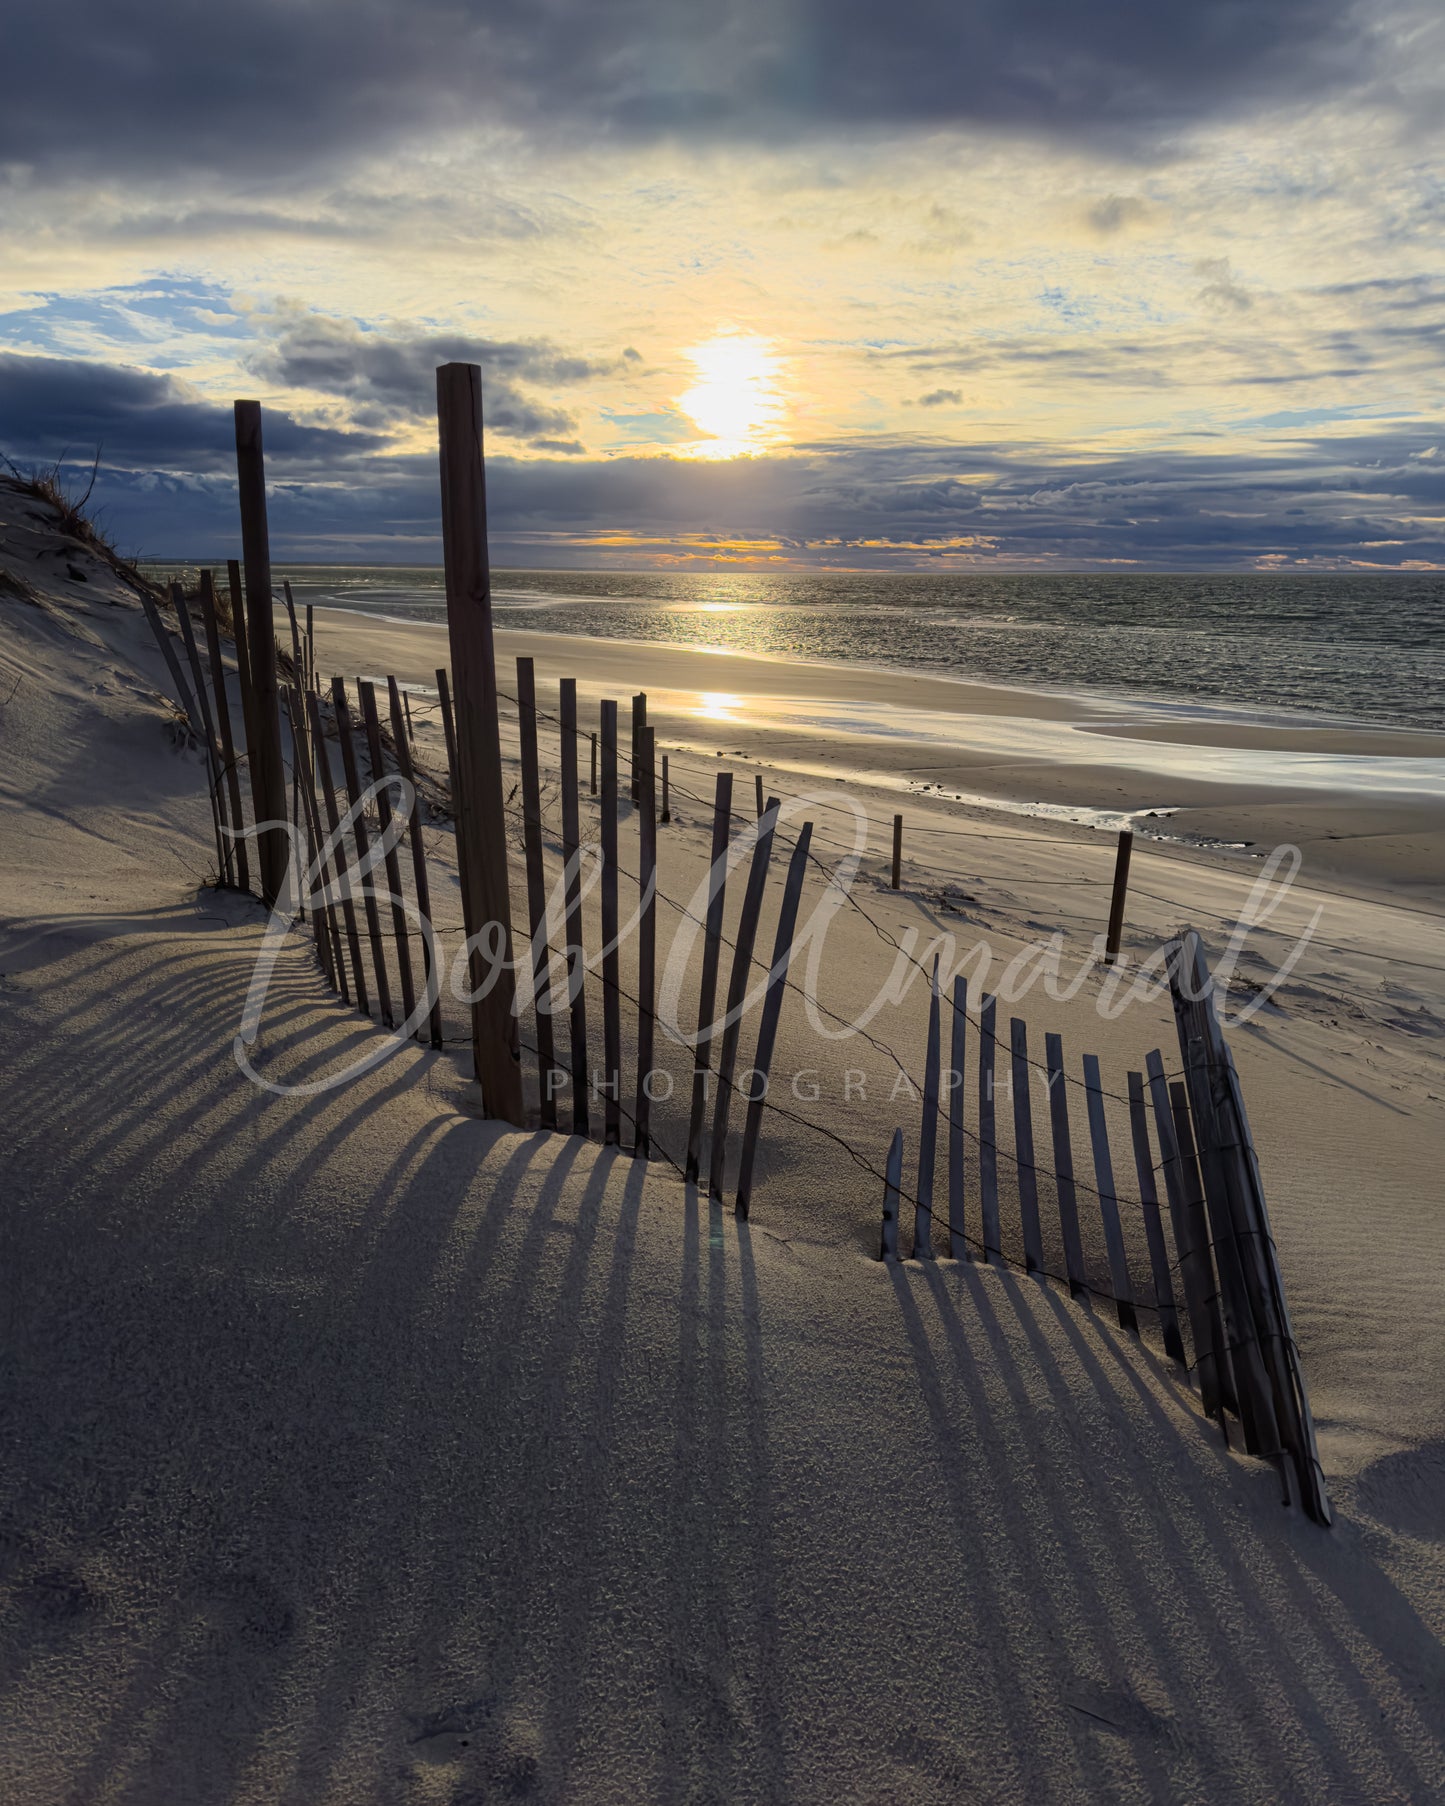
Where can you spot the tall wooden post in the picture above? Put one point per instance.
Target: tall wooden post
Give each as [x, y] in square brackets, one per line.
[1121, 891]
[481, 817]
[897, 850]
[268, 771]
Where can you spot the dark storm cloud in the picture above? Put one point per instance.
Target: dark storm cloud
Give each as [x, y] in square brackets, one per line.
[387, 378]
[168, 87]
[141, 420]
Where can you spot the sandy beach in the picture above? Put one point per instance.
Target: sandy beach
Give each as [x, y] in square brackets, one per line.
[362, 1449]
[1366, 805]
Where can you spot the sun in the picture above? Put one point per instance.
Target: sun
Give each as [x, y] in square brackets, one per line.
[737, 402]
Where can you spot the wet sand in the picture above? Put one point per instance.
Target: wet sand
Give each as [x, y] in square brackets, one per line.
[1365, 806]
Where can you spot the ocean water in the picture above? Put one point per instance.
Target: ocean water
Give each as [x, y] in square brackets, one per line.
[1360, 647]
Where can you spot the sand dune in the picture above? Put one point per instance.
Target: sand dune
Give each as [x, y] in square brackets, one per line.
[358, 1449]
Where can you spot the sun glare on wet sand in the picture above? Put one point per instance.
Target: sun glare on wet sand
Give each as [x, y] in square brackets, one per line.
[737, 399]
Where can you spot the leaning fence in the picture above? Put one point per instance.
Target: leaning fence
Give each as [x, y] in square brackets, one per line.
[1188, 1249]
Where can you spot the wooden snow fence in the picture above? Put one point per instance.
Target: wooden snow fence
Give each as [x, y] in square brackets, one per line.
[1188, 1244]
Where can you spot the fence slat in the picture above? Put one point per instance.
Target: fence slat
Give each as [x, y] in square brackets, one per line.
[772, 1010]
[1108, 1197]
[1074, 1266]
[639, 721]
[322, 922]
[576, 959]
[322, 766]
[892, 1191]
[208, 724]
[323, 860]
[1195, 1275]
[1217, 1363]
[363, 846]
[379, 778]
[243, 668]
[1023, 1112]
[167, 649]
[957, 1231]
[541, 954]
[1251, 1380]
[987, 1131]
[431, 978]
[646, 937]
[928, 1132]
[449, 729]
[1153, 1227]
[611, 986]
[240, 866]
[711, 954]
[737, 991]
[1295, 1405]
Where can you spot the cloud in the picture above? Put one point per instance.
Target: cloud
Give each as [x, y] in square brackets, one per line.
[1115, 213]
[143, 421]
[938, 398]
[1220, 289]
[166, 88]
[390, 377]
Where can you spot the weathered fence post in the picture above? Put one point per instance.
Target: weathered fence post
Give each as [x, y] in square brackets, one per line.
[302, 735]
[611, 984]
[576, 959]
[928, 1136]
[243, 666]
[431, 978]
[208, 726]
[897, 851]
[268, 771]
[639, 721]
[343, 875]
[666, 799]
[957, 1229]
[772, 1010]
[481, 816]
[1153, 1227]
[449, 730]
[363, 846]
[987, 1128]
[892, 1194]
[320, 920]
[1024, 1146]
[646, 941]
[758, 792]
[737, 992]
[223, 722]
[594, 765]
[711, 954]
[541, 954]
[1108, 1197]
[371, 723]
[1074, 1268]
[1121, 891]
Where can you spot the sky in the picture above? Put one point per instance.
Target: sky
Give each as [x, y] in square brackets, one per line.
[939, 285]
